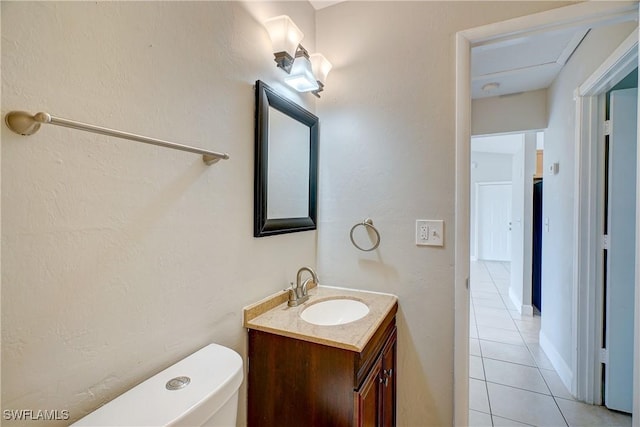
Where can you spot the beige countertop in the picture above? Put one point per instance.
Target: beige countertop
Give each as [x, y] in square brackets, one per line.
[273, 315]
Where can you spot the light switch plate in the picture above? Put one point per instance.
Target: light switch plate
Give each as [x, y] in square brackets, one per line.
[429, 232]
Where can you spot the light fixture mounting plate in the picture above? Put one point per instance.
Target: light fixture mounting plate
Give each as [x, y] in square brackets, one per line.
[284, 61]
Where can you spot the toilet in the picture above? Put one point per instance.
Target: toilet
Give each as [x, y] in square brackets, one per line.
[199, 390]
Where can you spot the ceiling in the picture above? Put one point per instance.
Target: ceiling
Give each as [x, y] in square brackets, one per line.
[522, 63]
[517, 63]
[321, 4]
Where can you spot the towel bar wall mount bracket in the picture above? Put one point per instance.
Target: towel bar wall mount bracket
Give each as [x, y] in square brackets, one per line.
[26, 124]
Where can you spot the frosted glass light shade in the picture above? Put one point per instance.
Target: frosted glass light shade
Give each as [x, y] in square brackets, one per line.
[320, 66]
[285, 35]
[301, 77]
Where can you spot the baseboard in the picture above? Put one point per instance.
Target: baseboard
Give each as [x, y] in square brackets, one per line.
[527, 310]
[562, 369]
[514, 299]
[474, 258]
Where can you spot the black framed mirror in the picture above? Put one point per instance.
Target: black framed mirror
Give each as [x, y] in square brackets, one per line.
[286, 165]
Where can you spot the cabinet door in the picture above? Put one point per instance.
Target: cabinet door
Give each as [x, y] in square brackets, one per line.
[376, 399]
[388, 383]
[368, 398]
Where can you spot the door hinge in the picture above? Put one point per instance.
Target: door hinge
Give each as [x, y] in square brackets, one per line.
[604, 356]
[607, 127]
[605, 241]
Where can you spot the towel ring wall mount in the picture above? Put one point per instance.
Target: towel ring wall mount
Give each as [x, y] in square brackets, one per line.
[368, 224]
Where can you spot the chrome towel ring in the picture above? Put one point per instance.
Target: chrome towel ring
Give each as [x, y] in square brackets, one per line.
[367, 223]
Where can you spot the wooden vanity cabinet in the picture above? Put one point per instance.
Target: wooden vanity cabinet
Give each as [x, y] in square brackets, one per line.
[376, 398]
[295, 383]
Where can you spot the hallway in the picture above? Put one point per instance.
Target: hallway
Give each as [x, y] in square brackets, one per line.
[512, 383]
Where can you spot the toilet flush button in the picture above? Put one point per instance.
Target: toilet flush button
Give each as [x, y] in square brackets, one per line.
[177, 383]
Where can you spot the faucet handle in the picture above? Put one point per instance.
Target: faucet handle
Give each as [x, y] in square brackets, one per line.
[291, 286]
[293, 297]
[293, 294]
[305, 284]
[297, 294]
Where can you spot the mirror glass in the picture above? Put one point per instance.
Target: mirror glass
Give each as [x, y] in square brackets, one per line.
[286, 165]
[288, 169]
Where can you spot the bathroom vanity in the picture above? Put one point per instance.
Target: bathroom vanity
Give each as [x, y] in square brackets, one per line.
[301, 373]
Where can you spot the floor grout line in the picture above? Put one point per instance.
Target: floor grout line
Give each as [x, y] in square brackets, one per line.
[528, 344]
[520, 388]
[555, 401]
[484, 373]
[513, 363]
[482, 357]
[510, 419]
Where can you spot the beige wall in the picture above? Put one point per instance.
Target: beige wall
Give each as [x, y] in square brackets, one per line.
[122, 258]
[510, 113]
[387, 152]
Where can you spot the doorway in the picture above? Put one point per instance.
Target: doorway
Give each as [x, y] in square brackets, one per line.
[493, 219]
[502, 219]
[591, 258]
[582, 340]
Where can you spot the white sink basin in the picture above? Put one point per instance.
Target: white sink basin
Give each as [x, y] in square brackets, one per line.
[336, 311]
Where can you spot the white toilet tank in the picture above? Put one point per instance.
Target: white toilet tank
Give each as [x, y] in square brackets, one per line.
[205, 393]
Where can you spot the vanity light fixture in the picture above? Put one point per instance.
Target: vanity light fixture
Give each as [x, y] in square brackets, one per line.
[301, 76]
[285, 38]
[321, 67]
[306, 73]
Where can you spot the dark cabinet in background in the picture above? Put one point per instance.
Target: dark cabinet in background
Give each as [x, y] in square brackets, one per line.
[536, 279]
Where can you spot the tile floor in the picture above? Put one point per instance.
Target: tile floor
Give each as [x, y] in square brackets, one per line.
[512, 383]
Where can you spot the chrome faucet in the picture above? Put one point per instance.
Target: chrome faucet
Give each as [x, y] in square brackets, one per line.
[298, 293]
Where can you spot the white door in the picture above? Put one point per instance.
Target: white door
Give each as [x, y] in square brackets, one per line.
[494, 217]
[621, 254]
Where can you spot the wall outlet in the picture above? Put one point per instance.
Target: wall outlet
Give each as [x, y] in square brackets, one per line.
[429, 232]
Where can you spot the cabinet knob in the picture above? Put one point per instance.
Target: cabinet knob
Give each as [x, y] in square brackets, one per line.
[384, 380]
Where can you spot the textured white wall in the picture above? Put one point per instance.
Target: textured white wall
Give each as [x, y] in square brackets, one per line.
[558, 194]
[510, 113]
[387, 152]
[122, 258]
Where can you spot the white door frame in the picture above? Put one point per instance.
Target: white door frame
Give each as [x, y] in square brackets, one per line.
[596, 13]
[587, 286]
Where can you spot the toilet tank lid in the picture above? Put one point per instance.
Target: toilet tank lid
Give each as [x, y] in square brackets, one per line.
[215, 373]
